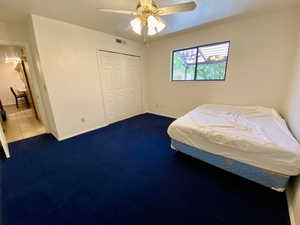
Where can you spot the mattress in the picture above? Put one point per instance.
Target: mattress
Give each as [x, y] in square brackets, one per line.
[254, 135]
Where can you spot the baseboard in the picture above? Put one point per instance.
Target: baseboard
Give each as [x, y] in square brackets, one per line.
[161, 114]
[95, 128]
[78, 133]
[88, 130]
[290, 206]
[54, 135]
[10, 105]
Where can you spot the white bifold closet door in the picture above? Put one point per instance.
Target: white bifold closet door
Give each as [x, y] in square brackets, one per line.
[120, 77]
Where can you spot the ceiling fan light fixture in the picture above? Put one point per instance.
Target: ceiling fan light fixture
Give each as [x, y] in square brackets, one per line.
[136, 25]
[151, 30]
[155, 25]
[160, 26]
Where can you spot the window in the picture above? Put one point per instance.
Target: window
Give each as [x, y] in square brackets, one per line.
[206, 62]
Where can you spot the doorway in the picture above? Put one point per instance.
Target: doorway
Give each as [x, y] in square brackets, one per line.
[19, 117]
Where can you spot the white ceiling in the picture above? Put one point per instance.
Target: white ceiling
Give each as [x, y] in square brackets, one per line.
[84, 13]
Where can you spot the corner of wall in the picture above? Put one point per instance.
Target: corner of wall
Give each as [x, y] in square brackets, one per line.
[45, 102]
[146, 77]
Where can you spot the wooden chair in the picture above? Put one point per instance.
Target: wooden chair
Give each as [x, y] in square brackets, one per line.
[19, 96]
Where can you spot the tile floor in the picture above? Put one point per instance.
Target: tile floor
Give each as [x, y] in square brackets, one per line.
[22, 124]
[13, 109]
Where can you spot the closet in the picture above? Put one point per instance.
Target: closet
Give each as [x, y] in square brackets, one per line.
[121, 83]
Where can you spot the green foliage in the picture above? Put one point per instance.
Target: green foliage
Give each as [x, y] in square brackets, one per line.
[178, 64]
[214, 71]
[181, 71]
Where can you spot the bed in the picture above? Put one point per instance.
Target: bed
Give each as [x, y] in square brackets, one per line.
[252, 142]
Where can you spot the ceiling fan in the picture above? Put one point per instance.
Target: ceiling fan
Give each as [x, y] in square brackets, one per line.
[148, 20]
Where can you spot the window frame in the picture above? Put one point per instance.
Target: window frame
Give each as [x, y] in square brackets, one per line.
[197, 47]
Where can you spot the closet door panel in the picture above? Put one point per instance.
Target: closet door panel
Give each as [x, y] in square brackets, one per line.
[111, 106]
[112, 71]
[121, 85]
[122, 100]
[133, 104]
[132, 84]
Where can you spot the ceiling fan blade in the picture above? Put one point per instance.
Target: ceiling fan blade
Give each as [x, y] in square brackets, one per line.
[118, 11]
[183, 7]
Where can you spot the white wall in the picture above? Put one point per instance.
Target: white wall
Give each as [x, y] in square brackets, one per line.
[44, 101]
[68, 64]
[292, 114]
[13, 32]
[258, 69]
[9, 77]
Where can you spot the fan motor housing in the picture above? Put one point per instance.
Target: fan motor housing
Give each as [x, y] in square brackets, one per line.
[146, 9]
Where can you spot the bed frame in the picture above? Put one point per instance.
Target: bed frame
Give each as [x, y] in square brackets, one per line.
[273, 180]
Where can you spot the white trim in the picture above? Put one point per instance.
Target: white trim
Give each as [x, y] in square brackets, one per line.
[55, 135]
[3, 142]
[14, 43]
[78, 133]
[290, 206]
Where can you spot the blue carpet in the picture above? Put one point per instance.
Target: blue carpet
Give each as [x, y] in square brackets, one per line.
[126, 174]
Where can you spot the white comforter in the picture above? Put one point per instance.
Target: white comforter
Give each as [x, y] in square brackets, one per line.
[254, 135]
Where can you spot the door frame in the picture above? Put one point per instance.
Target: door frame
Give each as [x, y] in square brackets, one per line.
[32, 79]
[29, 88]
[3, 142]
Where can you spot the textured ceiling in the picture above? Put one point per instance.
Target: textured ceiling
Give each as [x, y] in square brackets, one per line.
[84, 13]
